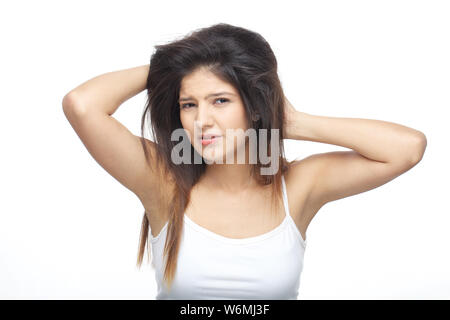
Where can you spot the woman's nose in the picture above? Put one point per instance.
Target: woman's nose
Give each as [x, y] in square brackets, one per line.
[204, 116]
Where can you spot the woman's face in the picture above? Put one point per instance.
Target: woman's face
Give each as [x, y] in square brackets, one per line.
[203, 112]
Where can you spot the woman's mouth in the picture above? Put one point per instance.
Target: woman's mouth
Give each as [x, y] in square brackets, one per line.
[209, 140]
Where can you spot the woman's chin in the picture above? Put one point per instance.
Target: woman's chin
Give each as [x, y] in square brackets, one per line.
[219, 156]
[212, 156]
[210, 153]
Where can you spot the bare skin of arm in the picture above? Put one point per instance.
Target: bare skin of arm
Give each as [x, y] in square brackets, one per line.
[89, 109]
[381, 151]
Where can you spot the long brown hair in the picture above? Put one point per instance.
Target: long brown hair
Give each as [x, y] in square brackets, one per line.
[236, 55]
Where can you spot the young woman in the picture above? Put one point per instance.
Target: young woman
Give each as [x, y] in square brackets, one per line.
[226, 230]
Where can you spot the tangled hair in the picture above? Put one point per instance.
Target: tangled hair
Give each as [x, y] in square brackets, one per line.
[240, 57]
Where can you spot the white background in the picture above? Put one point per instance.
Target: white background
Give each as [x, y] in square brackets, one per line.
[69, 230]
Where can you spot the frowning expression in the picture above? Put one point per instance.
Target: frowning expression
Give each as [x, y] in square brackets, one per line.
[209, 106]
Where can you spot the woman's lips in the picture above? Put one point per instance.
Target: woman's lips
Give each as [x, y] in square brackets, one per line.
[206, 142]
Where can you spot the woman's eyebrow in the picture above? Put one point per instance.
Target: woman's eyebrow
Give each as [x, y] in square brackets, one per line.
[209, 95]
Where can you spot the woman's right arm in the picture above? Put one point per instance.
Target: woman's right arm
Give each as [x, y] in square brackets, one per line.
[89, 108]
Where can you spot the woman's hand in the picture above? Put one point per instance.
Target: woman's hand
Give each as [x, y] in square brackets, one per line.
[290, 119]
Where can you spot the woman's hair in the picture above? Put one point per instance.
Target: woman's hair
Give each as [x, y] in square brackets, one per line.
[240, 57]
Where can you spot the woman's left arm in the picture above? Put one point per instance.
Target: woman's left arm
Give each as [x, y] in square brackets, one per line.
[380, 152]
[374, 139]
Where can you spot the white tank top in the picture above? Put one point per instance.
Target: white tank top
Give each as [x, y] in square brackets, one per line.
[212, 266]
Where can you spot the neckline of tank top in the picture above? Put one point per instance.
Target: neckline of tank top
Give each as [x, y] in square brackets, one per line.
[236, 241]
[247, 239]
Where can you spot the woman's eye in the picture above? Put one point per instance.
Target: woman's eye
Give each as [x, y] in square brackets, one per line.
[225, 100]
[183, 106]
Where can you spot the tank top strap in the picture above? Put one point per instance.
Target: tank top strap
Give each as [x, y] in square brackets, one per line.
[285, 199]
